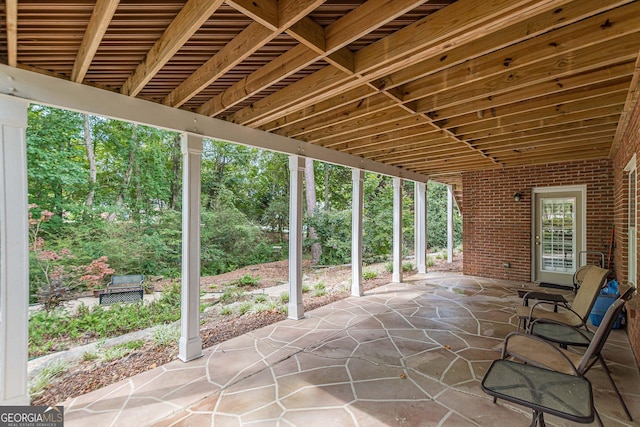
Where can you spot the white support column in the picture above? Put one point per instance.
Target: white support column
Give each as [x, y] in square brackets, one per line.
[449, 223]
[14, 252]
[420, 190]
[190, 345]
[357, 209]
[396, 276]
[296, 168]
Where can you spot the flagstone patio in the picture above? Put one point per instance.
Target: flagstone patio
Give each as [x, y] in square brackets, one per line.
[410, 353]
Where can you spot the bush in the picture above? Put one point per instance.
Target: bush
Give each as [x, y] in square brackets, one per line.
[55, 330]
[369, 274]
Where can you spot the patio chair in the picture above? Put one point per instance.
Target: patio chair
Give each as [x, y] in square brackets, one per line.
[539, 352]
[567, 336]
[576, 314]
[579, 275]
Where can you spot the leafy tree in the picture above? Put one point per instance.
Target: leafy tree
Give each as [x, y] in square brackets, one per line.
[437, 217]
[56, 162]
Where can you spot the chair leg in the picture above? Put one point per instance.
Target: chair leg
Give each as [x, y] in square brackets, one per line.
[613, 384]
[538, 419]
[598, 419]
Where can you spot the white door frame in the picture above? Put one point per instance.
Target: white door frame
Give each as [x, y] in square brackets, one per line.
[632, 236]
[534, 218]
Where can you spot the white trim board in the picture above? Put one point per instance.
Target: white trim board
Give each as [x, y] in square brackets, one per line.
[56, 92]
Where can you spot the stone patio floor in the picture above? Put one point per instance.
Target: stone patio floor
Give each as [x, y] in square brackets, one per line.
[409, 354]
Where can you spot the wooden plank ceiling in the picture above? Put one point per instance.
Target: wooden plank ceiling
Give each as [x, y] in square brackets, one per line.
[437, 87]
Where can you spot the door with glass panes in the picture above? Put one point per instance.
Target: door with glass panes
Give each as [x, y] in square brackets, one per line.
[559, 235]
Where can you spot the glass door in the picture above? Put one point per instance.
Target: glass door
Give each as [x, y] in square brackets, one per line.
[558, 228]
[558, 236]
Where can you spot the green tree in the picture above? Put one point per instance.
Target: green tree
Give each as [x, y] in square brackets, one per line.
[437, 217]
[56, 162]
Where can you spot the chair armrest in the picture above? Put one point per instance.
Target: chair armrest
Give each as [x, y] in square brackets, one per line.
[564, 325]
[563, 306]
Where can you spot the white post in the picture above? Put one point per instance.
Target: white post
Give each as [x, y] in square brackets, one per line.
[357, 209]
[296, 306]
[14, 252]
[449, 223]
[420, 190]
[396, 276]
[190, 345]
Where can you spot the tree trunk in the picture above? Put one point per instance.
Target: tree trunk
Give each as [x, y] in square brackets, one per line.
[91, 158]
[133, 144]
[310, 191]
[326, 187]
[176, 157]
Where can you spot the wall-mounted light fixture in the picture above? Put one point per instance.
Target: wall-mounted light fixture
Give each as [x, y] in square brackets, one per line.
[517, 197]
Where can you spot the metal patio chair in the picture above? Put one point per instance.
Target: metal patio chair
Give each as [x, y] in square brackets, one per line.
[576, 314]
[540, 352]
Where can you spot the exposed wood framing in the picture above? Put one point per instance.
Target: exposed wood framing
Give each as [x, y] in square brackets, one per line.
[11, 12]
[438, 87]
[188, 21]
[98, 24]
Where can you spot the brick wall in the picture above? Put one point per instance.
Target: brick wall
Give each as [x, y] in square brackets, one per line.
[497, 229]
[629, 145]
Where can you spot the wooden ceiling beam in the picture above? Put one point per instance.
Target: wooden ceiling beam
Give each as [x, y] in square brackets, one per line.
[525, 98]
[360, 125]
[11, 16]
[458, 156]
[241, 47]
[580, 121]
[233, 53]
[419, 140]
[321, 108]
[437, 152]
[597, 148]
[554, 113]
[459, 23]
[425, 37]
[282, 67]
[404, 123]
[98, 23]
[190, 18]
[359, 22]
[453, 163]
[264, 12]
[551, 50]
[533, 140]
[549, 19]
[534, 26]
[313, 36]
[576, 62]
[354, 110]
[372, 143]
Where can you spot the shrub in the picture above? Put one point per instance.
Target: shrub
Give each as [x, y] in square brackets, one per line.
[260, 298]
[226, 310]
[55, 330]
[166, 334]
[245, 307]
[319, 289]
[369, 274]
[246, 280]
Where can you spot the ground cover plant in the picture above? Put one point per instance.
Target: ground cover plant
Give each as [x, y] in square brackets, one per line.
[59, 329]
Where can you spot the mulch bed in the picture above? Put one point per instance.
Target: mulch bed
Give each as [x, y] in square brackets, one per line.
[92, 375]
